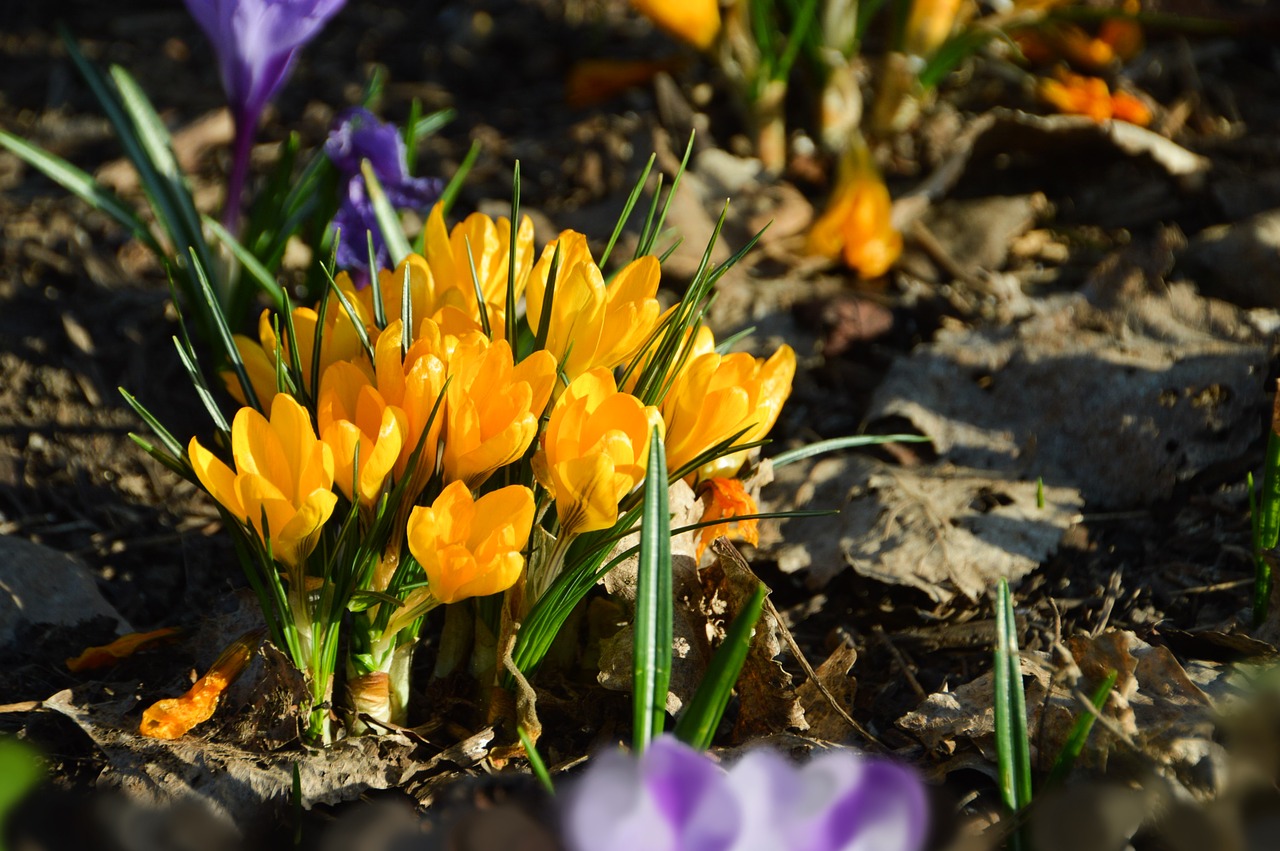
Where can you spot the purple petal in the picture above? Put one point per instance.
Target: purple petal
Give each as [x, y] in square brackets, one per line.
[609, 810]
[256, 42]
[692, 794]
[357, 136]
[882, 807]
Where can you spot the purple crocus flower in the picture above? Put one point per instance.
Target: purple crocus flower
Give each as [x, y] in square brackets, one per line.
[676, 799]
[359, 136]
[256, 42]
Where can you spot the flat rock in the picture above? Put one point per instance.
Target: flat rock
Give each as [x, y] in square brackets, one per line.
[39, 585]
[1239, 262]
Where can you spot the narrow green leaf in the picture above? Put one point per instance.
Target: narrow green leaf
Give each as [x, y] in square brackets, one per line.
[406, 313]
[836, 443]
[511, 259]
[412, 128]
[428, 124]
[626, 210]
[1079, 735]
[536, 765]
[451, 190]
[1013, 752]
[671, 193]
[651, 651]
[264, 279]
[214, 311]
[170, 443]
[375, 282]
[479, 291]
[356, 321]
[188, 358]
[82, 185]
[697, 725]
[548, 302]
[388, 221]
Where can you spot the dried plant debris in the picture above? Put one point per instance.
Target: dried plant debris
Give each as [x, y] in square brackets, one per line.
[1161, 716]
[944, 530]
[1120, 403]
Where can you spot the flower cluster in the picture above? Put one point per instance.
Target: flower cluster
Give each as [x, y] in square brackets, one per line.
[417, 442]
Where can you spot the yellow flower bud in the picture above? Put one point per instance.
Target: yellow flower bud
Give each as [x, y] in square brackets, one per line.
[341, 342]
[594, 452]
[360, 428]
[471, 548]
[492, 407]
[715, 396]
[592, 325]
[283, 471]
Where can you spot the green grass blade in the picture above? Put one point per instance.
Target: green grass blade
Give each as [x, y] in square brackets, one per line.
[651, 650]
[261, 276]
[406, 314]
[1267, 526]
[1013, 752]
[536, 765]
[223, 332]
[451, 190]
[170, 443]
[428, 124]
[188, 358]
[356, 321]
[838, 443]
[82, 185]
[697, 725]
[375, 283]
[475, 283]
[548, 302]
[1074, 745]
[388, 221]
[627, 209]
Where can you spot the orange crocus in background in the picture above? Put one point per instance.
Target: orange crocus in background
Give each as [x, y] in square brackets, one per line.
[594, 451]
[857, 226]
[1073, 94]
[283, 472]
[695, 22]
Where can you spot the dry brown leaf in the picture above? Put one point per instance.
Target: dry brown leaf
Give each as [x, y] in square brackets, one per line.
[836, 673]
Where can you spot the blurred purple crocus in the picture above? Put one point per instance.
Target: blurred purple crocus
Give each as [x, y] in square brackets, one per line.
[675, 798]
[256, 43]
[359, 136]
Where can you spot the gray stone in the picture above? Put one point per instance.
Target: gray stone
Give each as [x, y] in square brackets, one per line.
[1239, 262]
[39, 585]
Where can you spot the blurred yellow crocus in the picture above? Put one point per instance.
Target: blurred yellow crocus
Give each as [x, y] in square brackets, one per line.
[929, 25]
[481, 241]
[340, 342]
[594, 452]
[590, 324]
[283, 472]
[492, 406]
[696, 22]
[716, 396]
[857, 226]
[361, 429]
[469, 547]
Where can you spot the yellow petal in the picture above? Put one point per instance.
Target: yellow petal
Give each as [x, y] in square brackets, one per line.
[217, 477]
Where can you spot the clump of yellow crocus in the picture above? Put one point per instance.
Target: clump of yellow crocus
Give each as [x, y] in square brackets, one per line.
[361, 428]
[492, 407]
[468, 547]
[590, 324]
[696, 22]
[715, 396]
[594, 452]
[857, 226]
[283, 471]
[413, 382]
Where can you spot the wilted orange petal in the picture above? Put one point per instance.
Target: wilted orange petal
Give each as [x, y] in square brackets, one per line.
[1126, 107]
[594, 81]
[174, 716]
[726, 499]
[123, 647]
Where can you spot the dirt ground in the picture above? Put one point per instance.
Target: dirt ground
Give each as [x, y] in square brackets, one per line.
[1088, 317]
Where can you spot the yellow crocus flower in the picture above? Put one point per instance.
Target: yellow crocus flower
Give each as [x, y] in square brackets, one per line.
[594, 452]
[340, 342]
[715, 396]
[283, 471]
[361, 428]
[857, 225]
[480, 239]
[696, 22]
[591, 324]
[492, 407]
[471, 547]
[929, 25]
[413, 383]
